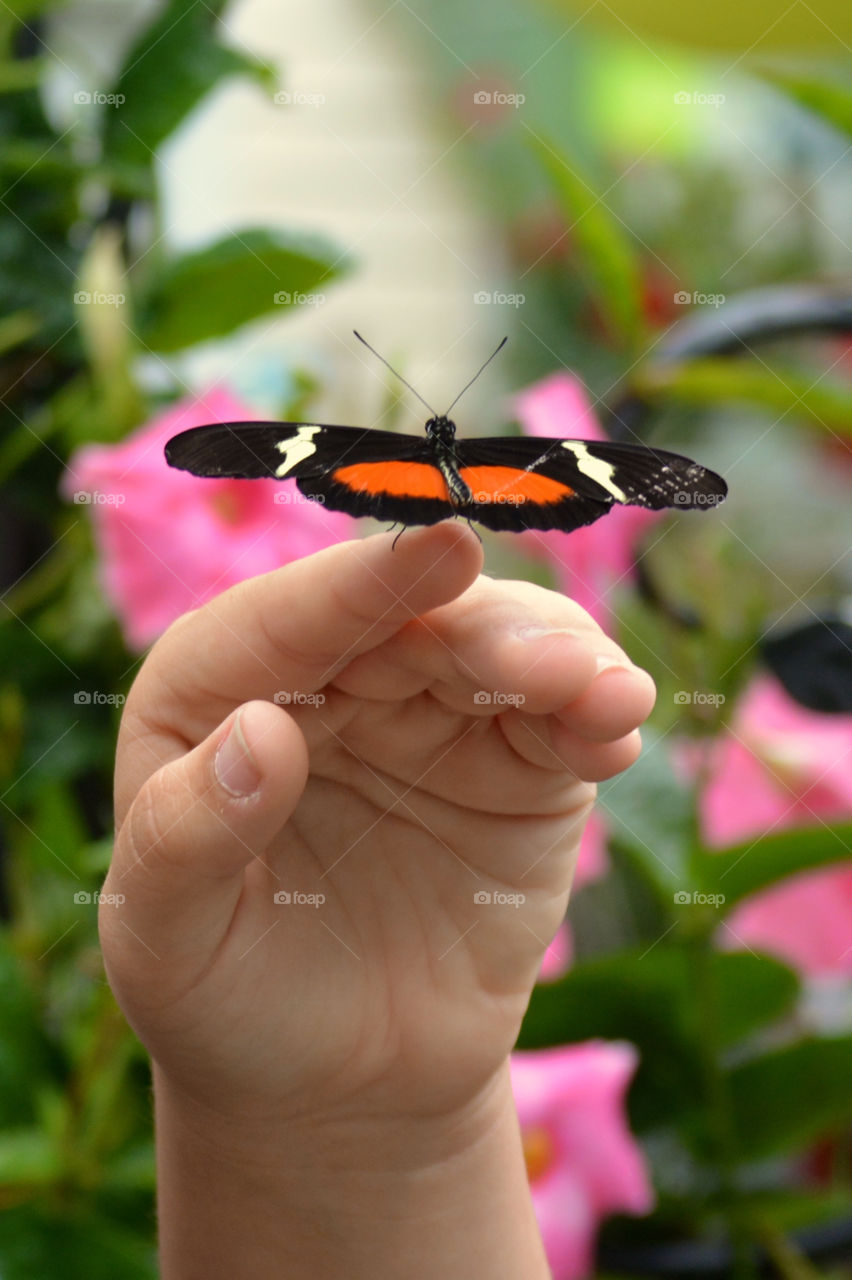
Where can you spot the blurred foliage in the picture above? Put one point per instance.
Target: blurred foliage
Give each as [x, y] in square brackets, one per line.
[88, 285]
[731, 1080]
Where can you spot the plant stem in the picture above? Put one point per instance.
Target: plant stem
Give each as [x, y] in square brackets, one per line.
[788, 1258]
[717, 1102]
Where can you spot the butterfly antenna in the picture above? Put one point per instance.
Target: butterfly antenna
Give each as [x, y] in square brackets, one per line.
[476, 375]
[394, 372]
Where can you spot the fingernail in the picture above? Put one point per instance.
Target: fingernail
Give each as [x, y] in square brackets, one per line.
[604, 661]
[236, 771]
[535, 631]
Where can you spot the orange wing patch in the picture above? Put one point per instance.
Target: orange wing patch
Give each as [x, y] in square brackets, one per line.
[397, 479]
[513, 486]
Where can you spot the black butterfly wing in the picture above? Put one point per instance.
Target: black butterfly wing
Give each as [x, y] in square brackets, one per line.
[519, 482]
[272, 450]
[516, 482]
[361, 471]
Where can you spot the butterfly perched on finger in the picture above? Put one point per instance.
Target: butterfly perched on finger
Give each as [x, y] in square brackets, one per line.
[512, 483]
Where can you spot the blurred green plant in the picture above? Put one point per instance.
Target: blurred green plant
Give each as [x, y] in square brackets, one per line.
[88, 285]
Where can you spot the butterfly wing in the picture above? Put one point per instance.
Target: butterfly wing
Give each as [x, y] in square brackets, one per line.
[518, 482]
[363, 472]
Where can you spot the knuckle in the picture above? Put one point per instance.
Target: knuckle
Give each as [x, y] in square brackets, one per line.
[155, 817]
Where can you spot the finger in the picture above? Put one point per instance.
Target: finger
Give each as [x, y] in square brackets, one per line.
[291, 630]
[546, 742]
[500, 644]
[194, 828]
[617, 701]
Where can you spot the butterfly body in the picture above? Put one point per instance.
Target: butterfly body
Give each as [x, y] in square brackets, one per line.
[502, 482]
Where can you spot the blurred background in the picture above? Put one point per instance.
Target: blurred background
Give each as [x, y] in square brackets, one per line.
[199, 203]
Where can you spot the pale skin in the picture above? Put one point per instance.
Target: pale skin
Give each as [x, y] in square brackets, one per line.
[331, 1080]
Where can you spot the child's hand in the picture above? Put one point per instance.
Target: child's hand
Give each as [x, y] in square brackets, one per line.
[437, 751]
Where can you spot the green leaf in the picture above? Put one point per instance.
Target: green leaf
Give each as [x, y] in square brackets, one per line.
[788, 1098]
[209, 293]
[818, 401]
[649, 999]
[17, 328]
[37, 259]
[27, 1157]
[650, 815]
[34, 1242]
[754, 992]
[132, 1170]
[604, 248]
[25, 1058]
[826, 98]
[753, 865]
[169, 69]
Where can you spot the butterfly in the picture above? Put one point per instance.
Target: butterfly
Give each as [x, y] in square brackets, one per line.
[510, 483]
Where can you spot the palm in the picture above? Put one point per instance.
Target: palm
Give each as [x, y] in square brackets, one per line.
[399, 833]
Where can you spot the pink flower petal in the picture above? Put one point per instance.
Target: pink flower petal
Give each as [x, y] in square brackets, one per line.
[576, 1094]
[593, 862]
[169, 541]
[805, 920]
[558, 956]
[778, 766]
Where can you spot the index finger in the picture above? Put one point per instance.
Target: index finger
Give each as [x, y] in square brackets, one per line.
[293, 629]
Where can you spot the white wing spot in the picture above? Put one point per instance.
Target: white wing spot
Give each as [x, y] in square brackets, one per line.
[595, 468]
[296, 450]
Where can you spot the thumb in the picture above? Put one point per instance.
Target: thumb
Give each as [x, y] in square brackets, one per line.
[191, 832]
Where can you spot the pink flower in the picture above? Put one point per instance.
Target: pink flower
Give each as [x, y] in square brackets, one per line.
[167, 540]
[593, 862]
[592, 560]
[558, 956]
[781, 765]
[582, 1159]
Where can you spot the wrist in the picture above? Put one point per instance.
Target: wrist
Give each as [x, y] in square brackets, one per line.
[323, 1196]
